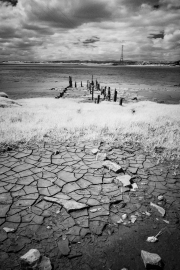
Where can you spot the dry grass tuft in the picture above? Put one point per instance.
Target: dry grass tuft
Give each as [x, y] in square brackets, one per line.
[151, 124]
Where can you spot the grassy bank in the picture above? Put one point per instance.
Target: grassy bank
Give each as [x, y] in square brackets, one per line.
[151, 124]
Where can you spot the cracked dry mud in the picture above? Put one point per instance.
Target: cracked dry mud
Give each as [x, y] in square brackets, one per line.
[60, 199]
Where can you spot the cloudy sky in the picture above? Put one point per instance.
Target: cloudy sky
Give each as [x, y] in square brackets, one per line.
[40, 30]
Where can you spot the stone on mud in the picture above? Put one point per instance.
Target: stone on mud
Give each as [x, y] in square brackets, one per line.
[101, 156]
[124, 179]
[151, 259]
[45, 264]
[30, 259]
[6, 229]
[160, 198]
[67, 204]
[95, 151]
[159, 208]
[112, 166]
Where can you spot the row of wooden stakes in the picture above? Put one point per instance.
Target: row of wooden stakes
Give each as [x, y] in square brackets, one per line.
[95, 90]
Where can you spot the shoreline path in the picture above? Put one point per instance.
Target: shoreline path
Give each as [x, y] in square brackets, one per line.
[61, 200]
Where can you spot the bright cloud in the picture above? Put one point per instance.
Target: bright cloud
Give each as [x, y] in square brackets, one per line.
[89, 29]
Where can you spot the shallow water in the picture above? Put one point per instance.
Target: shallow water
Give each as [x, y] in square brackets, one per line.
[36, 80]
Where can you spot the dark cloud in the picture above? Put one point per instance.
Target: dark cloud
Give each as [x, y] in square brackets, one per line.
[78, 13]
[173, 7]
[38, 29]
[170, 4]
[159, 35]
[89, 45]
[91, 40]
[10, 2]
[24, 45]
[135, 4]
[8, 32]
[92, 11]
[52, 17]
[156, 6]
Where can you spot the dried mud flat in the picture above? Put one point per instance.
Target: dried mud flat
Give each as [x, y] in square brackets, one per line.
[60, 199]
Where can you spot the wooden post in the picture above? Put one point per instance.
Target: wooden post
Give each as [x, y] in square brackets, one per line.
[75, 85]
[105, 92]
[92, 92]
[96, 83]
[98, 99]
[115, 95]
[92, 81]
[87, 84]
[70, 81]
[120, 101]
[109, 93]
[81, 84]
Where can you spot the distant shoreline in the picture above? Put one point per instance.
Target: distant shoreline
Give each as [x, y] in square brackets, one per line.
[91, 64]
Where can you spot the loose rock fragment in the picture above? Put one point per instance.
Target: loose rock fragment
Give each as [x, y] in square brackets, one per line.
[159, 208]
[166, 221]
[146, 213]
[45, 264]
[30, 259]
[8, 229]
[67, 204]
[120, 221]
[95, 210]
[95, 151]
[134, 187]
[151, 259]
[101, 156]
[152, 239]
[160, 197]
[124, 216]
[133, 218]
[124, 179]
[112, 166]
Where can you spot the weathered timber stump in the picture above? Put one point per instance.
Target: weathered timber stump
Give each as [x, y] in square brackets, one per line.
[92, 92]
[92, 82]
[98, 99]
[120, 101]
[109, 93]
[70, 81]
[105, 93]
[75, 85]
[115, 95]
